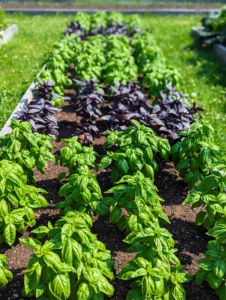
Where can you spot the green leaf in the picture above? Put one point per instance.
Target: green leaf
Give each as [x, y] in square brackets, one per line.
[105, 162]
[123, 166]
[115, 174]
[141, 137]
[41, 231]
[9, 233]
[148, 287]
[60, 286]
[40, 289]
[218, 231]
[3, 279]
[213, 281]
[102, 210]
[53, 261]
[222, 291]
[115, 214]
[192, 198]
[200, 276]
[134, 295]
[164, 148]
[31, 243]
[205, 156]
[105, 287]
[149, 171]
[127, 271]
[219, 268]
[71, 252]
[139, 272]
[32, 275]
[207, 184]
[61, 176]
[205, 264]
[179, 292]
[83, 291]
[4, 208]
[182, 164]
[200, 217]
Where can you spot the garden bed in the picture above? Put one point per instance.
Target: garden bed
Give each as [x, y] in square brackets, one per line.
[8, 34]
[191, 240]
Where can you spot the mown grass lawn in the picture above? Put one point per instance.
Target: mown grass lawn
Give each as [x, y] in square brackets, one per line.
[24, 55]
[203, 74]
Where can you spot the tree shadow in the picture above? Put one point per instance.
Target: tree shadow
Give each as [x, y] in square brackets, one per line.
[210, 67]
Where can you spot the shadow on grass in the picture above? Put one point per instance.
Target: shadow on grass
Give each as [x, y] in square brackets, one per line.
[209, 65]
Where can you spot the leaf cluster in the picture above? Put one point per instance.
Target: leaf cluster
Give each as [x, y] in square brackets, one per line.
[213, 266]
[172, 112]
[6, 274]
[89, 99]
[137, 145]
[17, 201]
[74, 155]
[194, 155]
[72, 263]
[28, 149]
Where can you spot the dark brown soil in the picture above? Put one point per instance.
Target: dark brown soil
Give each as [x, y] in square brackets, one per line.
[190, 240]
[108, 6]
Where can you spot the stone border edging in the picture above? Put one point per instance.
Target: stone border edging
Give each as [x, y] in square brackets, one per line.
[173, 11]
[26, 99]
[8, 34]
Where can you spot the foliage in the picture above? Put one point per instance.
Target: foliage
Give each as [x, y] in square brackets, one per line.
[75, 156]
[90, 59]
[129, 94]
[89, 99]
[195, 154]
[158, 76]
[86, 132]
[120, 65]
[40, 114]
[44, 90]
[26, 148]
[71, 264]
[17, 201]
[154, 278]
[136, 147]
[6, 274]
[172, 112]
[155, 271]
[210, 193]
[213, 267]
[138, 195]
[82, 192]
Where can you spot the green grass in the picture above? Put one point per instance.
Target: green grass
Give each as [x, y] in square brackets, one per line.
[203, 74]
[24, 55]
